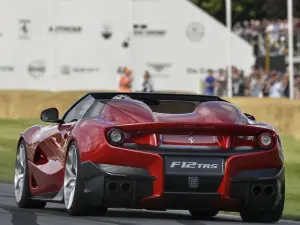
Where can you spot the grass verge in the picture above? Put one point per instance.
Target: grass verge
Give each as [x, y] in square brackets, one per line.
[10, 130]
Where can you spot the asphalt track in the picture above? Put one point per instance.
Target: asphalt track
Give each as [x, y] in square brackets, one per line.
[55, 214]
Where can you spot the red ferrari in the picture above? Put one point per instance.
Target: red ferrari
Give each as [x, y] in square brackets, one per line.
[152, 151]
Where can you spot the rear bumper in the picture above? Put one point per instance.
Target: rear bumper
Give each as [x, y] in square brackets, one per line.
[129, 187]
[156, 186]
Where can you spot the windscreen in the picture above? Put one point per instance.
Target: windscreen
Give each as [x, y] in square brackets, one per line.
[174, 107]
[165, 106]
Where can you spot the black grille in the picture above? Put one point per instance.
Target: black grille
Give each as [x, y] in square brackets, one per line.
[179, 183]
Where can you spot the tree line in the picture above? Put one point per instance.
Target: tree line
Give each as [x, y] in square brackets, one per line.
[248, 9]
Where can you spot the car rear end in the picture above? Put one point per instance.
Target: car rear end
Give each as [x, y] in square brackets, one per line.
[189, 166]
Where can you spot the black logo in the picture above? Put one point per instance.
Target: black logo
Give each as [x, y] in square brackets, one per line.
[24, 29]
[65, 29]
[37, 69]
[195, 31]
[159, 67]
[7, 69]
[144, 30]
[68, 70]
[126, 42]
[107, 32]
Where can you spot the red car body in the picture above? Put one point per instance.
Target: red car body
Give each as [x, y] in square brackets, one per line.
[169, 141]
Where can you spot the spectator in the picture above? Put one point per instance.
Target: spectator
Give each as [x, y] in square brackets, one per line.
[276, 86]
[221, 83]
[297, 87]
[256, 85]
[259, 83]
[126, 81]
[256, 33]
[285, 86]
[210, 83]
[147, 84]
[238, 84]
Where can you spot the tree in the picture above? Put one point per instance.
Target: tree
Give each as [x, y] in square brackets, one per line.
[248, 9]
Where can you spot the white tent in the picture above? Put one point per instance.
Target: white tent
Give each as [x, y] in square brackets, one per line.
[70, 45]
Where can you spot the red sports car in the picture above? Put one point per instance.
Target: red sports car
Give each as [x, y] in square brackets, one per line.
[152, 151]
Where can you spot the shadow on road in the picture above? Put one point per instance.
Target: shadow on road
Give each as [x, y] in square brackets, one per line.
[24, 218]
[29, 216]
[184, 219]
[20, 216]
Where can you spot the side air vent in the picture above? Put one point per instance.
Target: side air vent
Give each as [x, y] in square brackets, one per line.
[39, 157]
[33, 182]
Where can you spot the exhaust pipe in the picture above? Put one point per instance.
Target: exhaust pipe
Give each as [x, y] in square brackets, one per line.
[269, 190]
[256, 190]
[125, 188]
[112, 186]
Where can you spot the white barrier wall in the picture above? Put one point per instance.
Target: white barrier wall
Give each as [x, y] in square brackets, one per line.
[76, 44]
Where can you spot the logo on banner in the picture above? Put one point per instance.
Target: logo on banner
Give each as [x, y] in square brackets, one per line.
[144, 30]
[195, 31]
[24, 32]
[65, 29]
[37, 69]
[6, 68]
[65, 70]
[191, 70]
[68, 70]
[106, 32]
[126, 42]
[159, 68]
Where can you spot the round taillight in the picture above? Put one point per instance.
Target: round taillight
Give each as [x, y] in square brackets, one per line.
[265, 140]
[115, 136]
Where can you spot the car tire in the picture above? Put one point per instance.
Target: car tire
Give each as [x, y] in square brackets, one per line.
[271, 216]
[22, 181]
[203, 213]
[74, 198]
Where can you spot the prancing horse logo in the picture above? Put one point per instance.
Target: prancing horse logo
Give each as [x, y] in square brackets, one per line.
[191, 139]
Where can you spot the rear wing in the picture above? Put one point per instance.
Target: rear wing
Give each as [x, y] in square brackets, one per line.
[228, 135]
[157, 96]
[216, 129]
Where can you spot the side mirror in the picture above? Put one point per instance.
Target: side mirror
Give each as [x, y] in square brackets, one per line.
[50, 115]
[249, 116]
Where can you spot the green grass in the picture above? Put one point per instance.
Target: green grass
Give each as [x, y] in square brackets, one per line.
[11, 129]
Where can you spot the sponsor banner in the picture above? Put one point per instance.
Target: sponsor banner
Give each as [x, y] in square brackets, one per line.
[62, 29]
[67, 70]
[164, 47]
[24, 29]
[7, 68]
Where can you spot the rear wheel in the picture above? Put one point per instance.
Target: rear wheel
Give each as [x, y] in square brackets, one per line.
[271, 216]
[73, 188]
[22, 181]
[203, 213]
